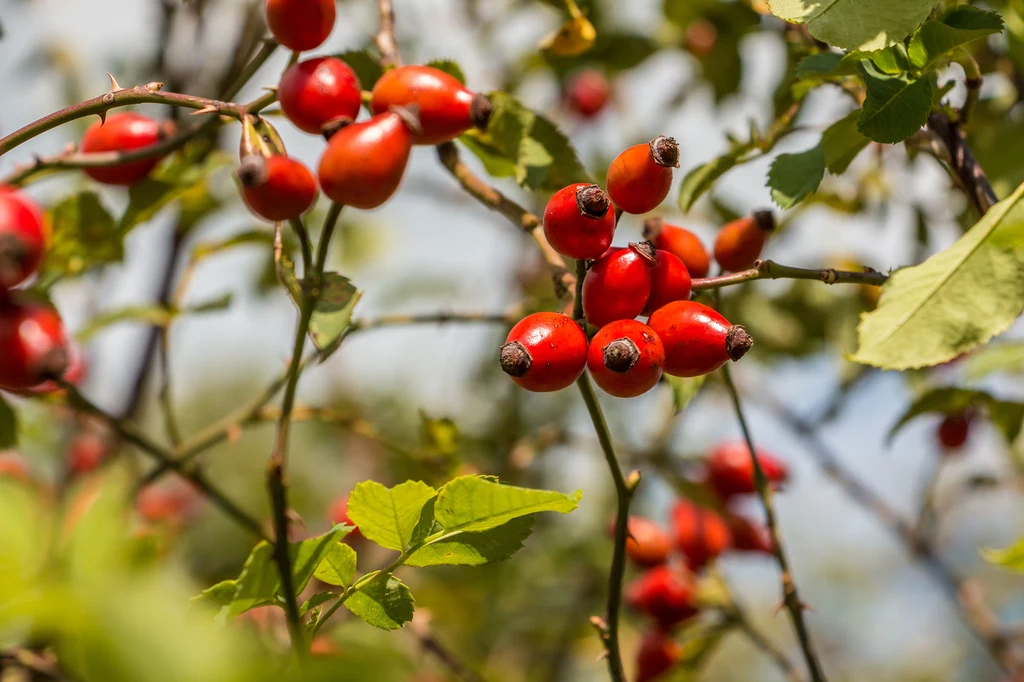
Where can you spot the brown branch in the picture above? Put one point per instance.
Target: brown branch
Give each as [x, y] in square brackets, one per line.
[962, 162]
[386, 42]
[766, 269]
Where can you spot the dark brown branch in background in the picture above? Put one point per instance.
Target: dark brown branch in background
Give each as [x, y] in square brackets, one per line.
[963, 164]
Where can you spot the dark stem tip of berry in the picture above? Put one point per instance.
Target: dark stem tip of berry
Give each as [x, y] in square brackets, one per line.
[515, 359]
[665, 151]
[53, 364]
[331, 127]
[652, 228]
[252, 171]
[737, 342]
[480, 109]
[592, 201]
[621, 355]
[410, 116]
[645, 250]
[765, 219]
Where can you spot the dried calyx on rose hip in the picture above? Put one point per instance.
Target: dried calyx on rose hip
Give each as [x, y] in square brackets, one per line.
[33, 346]
[315, 91]
[740, 242]
[121, 132]
[446, 108]
[683, 244]
[618, 284]
[22, 238]
[697, 339]
[579, 221]
[626, 358]
[301, 25]
[544, 352]
[640, 178]
[730, 469]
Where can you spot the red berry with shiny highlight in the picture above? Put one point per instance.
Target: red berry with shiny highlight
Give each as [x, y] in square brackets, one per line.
[683, 244]
[33, 347]
[22, 238]
[545, 352]
[445, 107]
[301, 25]
[314, 91]
[658, 654]
[579, 221]
[664, 593]
[731, 469]
[954, 429]
[123, 132]
[640, 178]
[587, 92]
[626, 358]
[74, 374]
[618, 284]
[740, 242]
[699, 533]
[748, 536]
[697, 339]
[13, 465]
[276, 187]
[365, 161]
[670, 281]
[338, 514]
[647, 543]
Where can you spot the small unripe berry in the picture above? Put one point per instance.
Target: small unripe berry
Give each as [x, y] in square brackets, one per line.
[33, 347]
[276, 187]
[626, 358]
[618, 284]
[315, 91]
[364, 162]
[670, 281]
[338, 514]
[697, 339]
[748, 536]
[658, 654]
[445, 107]
[579, 221]
[123, 132]
[23, 236]
[664, 593]
[14, 466]
[301, 25]
[740, 242]
[685, 245]
[640, 178]
[731, 469]
[646, 544]
[587, 92]
[545, 352]
[699, 533]
[954, 430]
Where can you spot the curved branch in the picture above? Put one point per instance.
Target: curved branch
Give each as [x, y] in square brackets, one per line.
[767, 269]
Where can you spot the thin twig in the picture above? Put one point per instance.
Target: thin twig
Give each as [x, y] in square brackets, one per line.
[443, 317]
[425, 634]
[970, 174]
[767, 269]
[737, 615]
[386, 42]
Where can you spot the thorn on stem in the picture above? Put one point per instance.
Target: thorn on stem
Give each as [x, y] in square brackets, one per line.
[114, 87]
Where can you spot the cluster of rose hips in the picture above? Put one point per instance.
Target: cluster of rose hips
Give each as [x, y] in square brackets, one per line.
[549, 351]
[666, 591]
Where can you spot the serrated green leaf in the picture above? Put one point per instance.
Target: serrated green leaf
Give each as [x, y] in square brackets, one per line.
[895, 107]
[842, 142]
[366, 66]
[338, 566]
[496, 163]
[8, 425]
[792, 177]
[307, 555]
[935, 40]
[384, 602]
[954, 301]
[1007, 416]
[820, 63]
[83, 236]
[467, 549]
[475, 503]
[700, 179]
[997, 357]
[855, 24]
[388, 516]
[449, 67]
[684, 389]
[1011, 558]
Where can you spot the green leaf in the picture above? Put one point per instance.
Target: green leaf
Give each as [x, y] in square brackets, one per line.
[449, 67]
[307, 555]
[206, 249]
[366, 66]
[1012, 557]
[1007, 416]
[467, 549]
[700, 179]
[316, 600]
[842, 142]
[954, 301]
[793, 176]
[178, 178]
[684, 390]
[998, 357]
[820, 63]
[338, 567]
[855, 24]
[475, 503]
[388, 516]
[895, 107]
[384, 602]
[84, 236]
[439, 436]
[935, 40]
[8, 425]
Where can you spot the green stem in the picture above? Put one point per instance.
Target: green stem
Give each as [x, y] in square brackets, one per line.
[767, 269]
[307, 253]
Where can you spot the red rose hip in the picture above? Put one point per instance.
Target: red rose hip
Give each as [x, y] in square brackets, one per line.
[626, 358]
[618, 284]
[276, 187]
[123, 132]
[658, 654]
[740, 242]
[33, 347]
[545, 352]
[579, 221]
[683, 244]
[445, 107]
[365, 161]
[315, 91]
[640, 178]
[697, 339]
[587, 92]
[301, 25]
[670, 281]
[699, 533]
[22, 238]
[954, 430]
[664, 593]
[646, 544]
[748, 536]
[731, 469]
